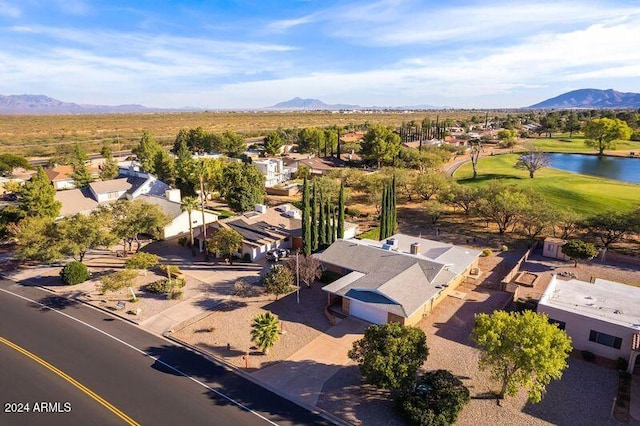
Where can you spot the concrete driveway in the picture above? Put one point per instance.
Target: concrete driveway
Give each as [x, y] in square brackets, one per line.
[302, 376]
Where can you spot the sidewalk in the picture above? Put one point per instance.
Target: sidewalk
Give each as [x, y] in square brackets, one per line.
[634, 408]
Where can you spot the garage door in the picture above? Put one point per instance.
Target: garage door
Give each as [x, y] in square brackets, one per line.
[367, 312]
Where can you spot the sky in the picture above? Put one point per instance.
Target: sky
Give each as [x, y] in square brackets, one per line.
[227, 54]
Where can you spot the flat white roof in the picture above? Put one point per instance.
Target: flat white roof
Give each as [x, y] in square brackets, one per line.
[603, 300]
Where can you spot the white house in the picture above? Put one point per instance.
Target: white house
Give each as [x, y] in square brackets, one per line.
[553, 248]
[274, 171]
[602, 317]
[179, 219]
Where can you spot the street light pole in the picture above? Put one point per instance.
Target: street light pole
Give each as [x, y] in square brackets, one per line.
[297, 280]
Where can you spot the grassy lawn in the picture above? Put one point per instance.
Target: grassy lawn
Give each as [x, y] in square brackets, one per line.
[586, 195]
[372, 234]
[576, 144]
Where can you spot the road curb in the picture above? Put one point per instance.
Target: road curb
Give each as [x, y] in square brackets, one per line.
[220, 361]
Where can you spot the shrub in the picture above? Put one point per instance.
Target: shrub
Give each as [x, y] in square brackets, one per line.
[171, 269]
[486, 253]
[164, 285]
[505, 248]
[329, 277]
[182, 241]
[118, 280]
[74, 273]
[436, 399]
[174, 294]
[352, 211]
[141, 260]
[588, 356]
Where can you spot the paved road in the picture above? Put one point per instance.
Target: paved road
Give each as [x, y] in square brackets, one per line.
[44, 352]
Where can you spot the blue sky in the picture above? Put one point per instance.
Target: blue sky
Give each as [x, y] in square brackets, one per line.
[250, 54]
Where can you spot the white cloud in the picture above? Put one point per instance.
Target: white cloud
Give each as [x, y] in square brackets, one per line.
[9, 10]
[285, 24]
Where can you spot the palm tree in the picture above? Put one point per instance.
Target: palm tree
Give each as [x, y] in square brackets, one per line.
[264, 331]
[189, 204]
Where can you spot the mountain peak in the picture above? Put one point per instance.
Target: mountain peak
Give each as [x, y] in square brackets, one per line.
[312, 104]
[591, 98]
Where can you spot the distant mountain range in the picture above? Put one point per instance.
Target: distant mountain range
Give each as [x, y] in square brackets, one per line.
[316, 104]
[591, 98]
[40, 104]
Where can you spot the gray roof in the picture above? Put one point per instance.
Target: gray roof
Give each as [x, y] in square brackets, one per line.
[394, 281]
[112, 185]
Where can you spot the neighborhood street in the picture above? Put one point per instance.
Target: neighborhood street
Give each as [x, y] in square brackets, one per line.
[110, 372]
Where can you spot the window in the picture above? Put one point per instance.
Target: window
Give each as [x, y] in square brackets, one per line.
[561, 324]
[605, 339]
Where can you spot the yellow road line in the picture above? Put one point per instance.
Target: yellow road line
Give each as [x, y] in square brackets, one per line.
[128, 420]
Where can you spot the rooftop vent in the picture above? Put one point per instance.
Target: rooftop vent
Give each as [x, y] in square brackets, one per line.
[415, 248]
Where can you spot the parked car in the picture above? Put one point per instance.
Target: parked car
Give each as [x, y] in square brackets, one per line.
[276, 254]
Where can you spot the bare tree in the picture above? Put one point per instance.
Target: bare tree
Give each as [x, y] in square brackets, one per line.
[476, 148]
[533, 159]
[309, 268]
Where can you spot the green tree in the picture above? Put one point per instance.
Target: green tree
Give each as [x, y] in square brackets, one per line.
[430, 183]
[265, 331]
[109, 169]
[279, 280]
[434, 210]
[146, 151]
[189, 204]
[225, 241]
[572, 124]
[118, 280]
[521, 350]
[389, 355]
[128, 219]
[8, 162]
[322, 241]
[314, 218]
[462, 196]
[36, 238]
[310, 139]
[533, 160]
[609, 227]
[507, 137]
[380, 145]
[273, 143]
[502, 204]
[78, 234]
[578, 250]
[164, 167]
[328, 214]
[384, 213]
[437, 399]
[185, 169]
[340, 226]
[37, 196]
[210, 169]
[602, 133]
[242, 186]
[81, 175]
[537, 217]
[234, 144]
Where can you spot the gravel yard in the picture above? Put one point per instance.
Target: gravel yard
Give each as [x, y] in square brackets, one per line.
[230, 324]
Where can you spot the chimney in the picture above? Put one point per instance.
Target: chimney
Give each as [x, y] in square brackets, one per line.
[260, 208]
[173, 195]
[415, 248]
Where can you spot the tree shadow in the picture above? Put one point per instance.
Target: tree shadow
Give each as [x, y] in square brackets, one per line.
[54, 302]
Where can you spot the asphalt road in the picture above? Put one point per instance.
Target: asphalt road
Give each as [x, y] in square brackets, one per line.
[138, 377]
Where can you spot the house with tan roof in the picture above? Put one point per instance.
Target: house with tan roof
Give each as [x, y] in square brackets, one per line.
[60, 176]
[398, 280]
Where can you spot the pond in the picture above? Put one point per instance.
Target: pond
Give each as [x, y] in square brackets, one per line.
[625, 169]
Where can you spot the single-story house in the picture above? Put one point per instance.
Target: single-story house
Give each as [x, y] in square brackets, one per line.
[320, 166]
[179, 224]
[398, 280]
[602, 317]
[60, 176]
[267, 228]
[553, 248]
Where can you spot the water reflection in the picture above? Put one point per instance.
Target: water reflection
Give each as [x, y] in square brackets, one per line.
[618, 168]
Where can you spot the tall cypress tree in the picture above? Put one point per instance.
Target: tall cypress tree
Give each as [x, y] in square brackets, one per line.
[383, 214]
[392, 207]
[340, 225]
[322, 235]
[338, 147]
[306, 219]
[328, 216]
[314, 219]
